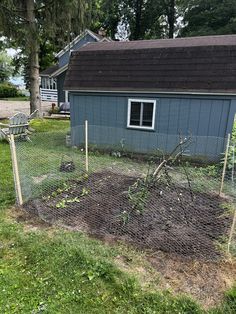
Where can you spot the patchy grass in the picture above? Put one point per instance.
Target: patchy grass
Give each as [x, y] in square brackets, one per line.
[7, 196]
[50, 125]
[48, 270]
[60, 271]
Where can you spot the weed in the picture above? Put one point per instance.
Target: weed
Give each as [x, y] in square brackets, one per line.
[84, 192]
[125, 216]
[61, 204]
[138, 195]
[73, 200]
[54, 194]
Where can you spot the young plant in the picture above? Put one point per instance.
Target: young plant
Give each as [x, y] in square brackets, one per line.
[138, 195]
[61, 204]
[139, 192]
[125, 216]
[73, 200]
[84, 192]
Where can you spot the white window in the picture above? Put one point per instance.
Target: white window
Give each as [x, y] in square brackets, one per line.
[141, 114]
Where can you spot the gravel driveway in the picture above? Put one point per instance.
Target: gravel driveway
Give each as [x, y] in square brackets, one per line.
[8, 107]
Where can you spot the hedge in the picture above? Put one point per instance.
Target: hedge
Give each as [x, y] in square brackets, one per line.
[7, 90]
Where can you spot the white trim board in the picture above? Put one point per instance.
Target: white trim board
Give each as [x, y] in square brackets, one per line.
[151, 92]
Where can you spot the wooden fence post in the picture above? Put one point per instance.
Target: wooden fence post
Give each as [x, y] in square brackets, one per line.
[15, 171]
[225, 164]
[231, 232]
[86, 146]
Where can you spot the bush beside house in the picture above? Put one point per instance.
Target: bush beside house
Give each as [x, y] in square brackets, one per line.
[8, 90]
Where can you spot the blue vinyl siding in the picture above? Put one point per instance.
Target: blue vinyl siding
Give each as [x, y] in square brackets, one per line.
[206, 118]
[60, 87]
[64, 59]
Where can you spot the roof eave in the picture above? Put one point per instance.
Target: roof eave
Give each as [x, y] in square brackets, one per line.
[216, 93]
[59, 71]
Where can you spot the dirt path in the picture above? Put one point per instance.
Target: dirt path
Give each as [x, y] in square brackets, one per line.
[9, 108]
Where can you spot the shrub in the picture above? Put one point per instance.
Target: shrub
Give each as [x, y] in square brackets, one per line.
[7, 90]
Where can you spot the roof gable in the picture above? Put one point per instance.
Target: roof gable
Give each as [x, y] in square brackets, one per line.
[96, 37]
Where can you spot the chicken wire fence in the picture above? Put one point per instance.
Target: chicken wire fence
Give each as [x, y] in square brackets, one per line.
[166, 198]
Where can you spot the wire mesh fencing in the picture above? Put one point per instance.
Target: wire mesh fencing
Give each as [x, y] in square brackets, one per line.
[164, 197]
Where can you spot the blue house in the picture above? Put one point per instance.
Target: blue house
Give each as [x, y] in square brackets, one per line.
[142, 95]
[52, 79]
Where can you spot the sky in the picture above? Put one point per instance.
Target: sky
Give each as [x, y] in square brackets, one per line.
[11, 52]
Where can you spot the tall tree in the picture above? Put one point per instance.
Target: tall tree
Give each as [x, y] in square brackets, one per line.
[33, 48]
[26, 22]
[170, 11]
[211, 17]
[142, 17]
[138, 7]
[109, 16]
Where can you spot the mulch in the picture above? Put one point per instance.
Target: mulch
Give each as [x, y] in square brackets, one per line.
[172, 222]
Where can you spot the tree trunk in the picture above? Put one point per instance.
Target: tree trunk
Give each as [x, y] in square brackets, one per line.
[138, 17]
[171, 18]
[35, 101]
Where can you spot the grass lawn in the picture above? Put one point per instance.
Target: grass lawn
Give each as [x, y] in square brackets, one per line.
[44, 269]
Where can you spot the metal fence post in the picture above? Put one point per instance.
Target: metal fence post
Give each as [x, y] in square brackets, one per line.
[15, 171]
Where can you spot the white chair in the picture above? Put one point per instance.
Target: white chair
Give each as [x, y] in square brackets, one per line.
[18, 126]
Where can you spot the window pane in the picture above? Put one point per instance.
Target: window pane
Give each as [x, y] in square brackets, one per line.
[147, 114]
[135, 113]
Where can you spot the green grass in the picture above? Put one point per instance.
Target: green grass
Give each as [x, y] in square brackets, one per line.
[50, 125]
[49, 270]
[7, 196]
[67, 272]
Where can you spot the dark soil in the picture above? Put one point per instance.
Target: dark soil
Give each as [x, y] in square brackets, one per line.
[172, 222]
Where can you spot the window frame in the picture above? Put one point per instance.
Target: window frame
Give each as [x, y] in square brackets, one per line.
[153, 101]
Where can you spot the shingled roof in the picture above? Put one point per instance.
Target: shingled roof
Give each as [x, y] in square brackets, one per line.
[203, 64]
[50, 70]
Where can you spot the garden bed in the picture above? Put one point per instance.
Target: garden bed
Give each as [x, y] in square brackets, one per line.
[174, 220]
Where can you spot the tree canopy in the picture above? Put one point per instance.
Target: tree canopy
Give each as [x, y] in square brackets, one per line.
[211, 17]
